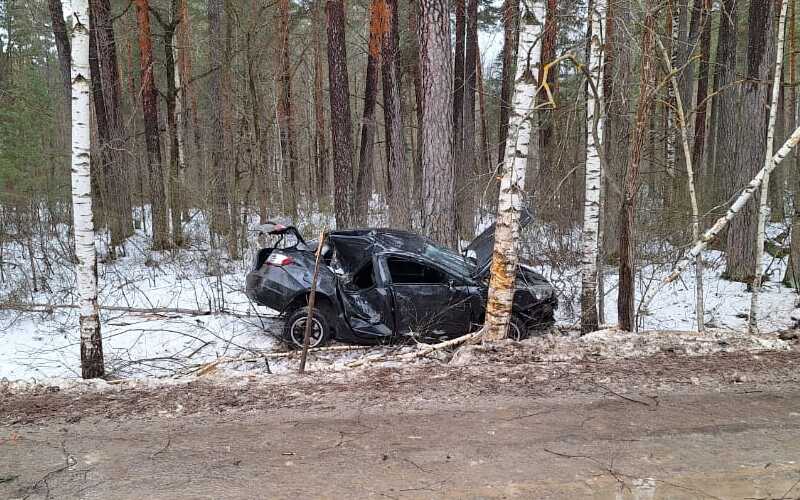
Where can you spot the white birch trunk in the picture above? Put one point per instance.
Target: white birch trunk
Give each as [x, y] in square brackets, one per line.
[707, 237]
[591, 203]
[512, 183]
[763, 211]
[91, 345]
[179, 113]
[687, 153]
[672, 91]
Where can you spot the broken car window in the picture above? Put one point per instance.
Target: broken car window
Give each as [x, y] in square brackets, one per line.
[405, 271]
[364, 278]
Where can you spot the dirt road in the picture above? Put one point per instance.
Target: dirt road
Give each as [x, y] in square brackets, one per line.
[723, 426]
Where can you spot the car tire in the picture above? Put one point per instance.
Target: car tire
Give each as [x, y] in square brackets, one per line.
[294, 328]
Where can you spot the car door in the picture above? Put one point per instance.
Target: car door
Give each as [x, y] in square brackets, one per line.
[367, 304]
[427, 299]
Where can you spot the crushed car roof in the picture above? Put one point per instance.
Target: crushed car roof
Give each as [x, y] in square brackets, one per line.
[355, 246]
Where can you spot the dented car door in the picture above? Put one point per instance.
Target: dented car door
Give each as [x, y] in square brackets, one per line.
[427, 299]
[366, 302]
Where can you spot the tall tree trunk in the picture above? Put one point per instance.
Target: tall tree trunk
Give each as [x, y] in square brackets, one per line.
[792, 276]
[62, 44]
[626, 295]
[512, 185]
[400, 205]
[458, 89]
[438, 183]
[220, 213]
[341, 124]
[725, 108]
[672, 31]
[698, 148]
[763, 212]
[158, 206]
[751, 134]
[181, 17]
[378, 29]
[547, 166]
[91, 341]
[413, 27]
[112, 139]
[263, 157]
[320, 133]
[591, 204]
[617, 80]
[467, 178]
[511, 32]
[485, 153]
[285, 118]
[172, 97]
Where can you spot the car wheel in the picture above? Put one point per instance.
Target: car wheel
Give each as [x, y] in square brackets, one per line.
[295, 328]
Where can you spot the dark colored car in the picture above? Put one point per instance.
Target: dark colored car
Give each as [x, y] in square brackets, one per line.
[383, 285]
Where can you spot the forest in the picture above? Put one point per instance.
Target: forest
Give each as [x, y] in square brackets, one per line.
[142, 142]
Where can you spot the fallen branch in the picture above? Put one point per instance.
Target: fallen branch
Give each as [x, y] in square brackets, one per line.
[206, 368]
[49, 308]
[719, 225]
[420, 353]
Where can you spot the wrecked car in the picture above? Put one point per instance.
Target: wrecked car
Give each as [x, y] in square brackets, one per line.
[379, 286]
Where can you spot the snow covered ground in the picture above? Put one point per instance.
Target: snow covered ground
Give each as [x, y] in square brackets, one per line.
[45, 343]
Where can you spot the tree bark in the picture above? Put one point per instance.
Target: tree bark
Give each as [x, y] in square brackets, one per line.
[698, 148]
[437, 131]
[458, 89]
[593, 176]
[725, 108]
[751, 134]
[107, 104]
[792, 276]
[320, 132]
[763, 212]
[341, 124]
[617, 80]
[158, 206]
[285, 118]
[62, 44]
[416, 76]
[378, 29]
[626, 295]
[220, 213]
[175, 150]
[512, 185]
[91, 342]
[399, 175]
[466, 170]
[510, 30]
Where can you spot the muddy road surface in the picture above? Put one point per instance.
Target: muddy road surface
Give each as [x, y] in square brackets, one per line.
[721, 426]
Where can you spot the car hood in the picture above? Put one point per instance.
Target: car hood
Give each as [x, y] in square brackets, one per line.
[482, 246]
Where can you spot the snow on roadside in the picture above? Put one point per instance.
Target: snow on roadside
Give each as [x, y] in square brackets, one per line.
[44, 345]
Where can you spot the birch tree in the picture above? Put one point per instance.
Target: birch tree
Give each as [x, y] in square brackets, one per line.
[689, 157]
[91, 341]
[512, 183]
[710, 234]
[591, 204]
[763, 211]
